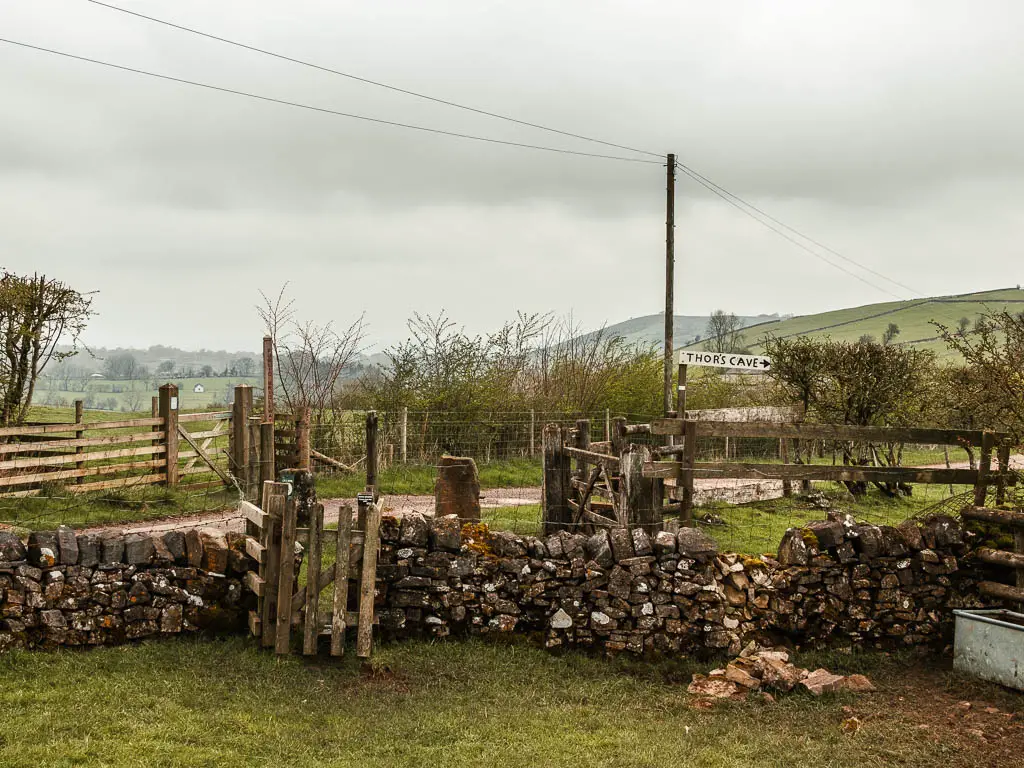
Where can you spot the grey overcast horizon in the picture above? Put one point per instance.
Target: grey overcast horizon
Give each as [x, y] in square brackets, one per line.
[890, 131]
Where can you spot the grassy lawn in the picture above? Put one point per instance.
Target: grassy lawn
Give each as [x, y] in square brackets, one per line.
[757, 527]
[195, 703]
[418, 479]
[148, 502]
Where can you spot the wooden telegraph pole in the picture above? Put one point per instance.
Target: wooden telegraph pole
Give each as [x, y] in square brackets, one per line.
[670, 263]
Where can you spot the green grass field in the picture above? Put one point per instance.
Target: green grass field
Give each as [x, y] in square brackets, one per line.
[203, 703]
[138, 394]
[913, 317]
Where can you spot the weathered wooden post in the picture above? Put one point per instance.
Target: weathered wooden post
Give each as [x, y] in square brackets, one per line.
[557, 515]
[639, 497]
[168, 406]
[988, 440]
[787, 485]
[687, 463]
[618, 435]
[1003, 459]
[79, 434]
[240, 410]
[268, 379]
[267, 459]
[405, 433]
[370, 494]
[533, 442]
[607, 424]
[583, 443]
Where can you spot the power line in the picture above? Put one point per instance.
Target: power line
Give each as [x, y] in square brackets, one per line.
[368, 81]
[780, 233]
[325, 110]
[700, 179]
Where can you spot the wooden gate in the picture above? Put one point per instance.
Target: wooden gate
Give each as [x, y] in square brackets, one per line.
[284, 605]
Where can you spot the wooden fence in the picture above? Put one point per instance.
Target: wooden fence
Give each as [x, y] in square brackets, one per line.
[618, 482]
[188, 451]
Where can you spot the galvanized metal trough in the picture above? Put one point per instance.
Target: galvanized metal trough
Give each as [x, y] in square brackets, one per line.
[989, 644]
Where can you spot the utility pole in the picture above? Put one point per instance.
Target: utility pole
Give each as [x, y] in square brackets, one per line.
[670, 264]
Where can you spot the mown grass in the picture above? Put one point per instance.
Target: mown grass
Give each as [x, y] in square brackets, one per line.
[418, 479]
[756, 527]
[197, 703]
[58, 506]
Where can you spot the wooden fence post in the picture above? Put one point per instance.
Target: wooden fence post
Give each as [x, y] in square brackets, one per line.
[286, 579]
[267, 468]
[607, 424]
[268, 379]
[79, 434]
[405, 433]
[533, 427]
[240, 410]
[787, 485]
[618, 435]
[302, 438]
[583, 443]
[557, 515]
[1003, 459]
[168, 406]
[687, 462]
[371, 450]
[273, 503]
[984, 468]
[636, 493]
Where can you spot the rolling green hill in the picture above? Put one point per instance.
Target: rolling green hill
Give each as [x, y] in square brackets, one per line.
[914, 319]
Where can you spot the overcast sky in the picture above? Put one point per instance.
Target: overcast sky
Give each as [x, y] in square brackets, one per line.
[889, 131]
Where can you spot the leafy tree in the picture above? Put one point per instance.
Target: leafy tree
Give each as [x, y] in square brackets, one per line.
[867, 338]
[989, 390]
[723, 333]
[166, 368]
[962, 325]
[124, 366]
[36, 313]
[891, 332]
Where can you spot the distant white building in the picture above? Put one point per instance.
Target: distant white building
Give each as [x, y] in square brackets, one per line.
[198, 389]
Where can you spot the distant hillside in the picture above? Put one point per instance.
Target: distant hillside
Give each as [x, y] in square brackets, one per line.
[913, 318]
[650, 329]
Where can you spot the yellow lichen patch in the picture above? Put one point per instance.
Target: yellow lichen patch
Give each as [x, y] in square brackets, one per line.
[750, 562]
[809, 537]
[477, 537]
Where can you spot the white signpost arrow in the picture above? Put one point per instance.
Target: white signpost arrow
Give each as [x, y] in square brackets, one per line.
[725, 360]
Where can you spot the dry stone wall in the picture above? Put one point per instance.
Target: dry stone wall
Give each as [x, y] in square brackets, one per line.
[68, 589]
[614, 591]
[674, 593]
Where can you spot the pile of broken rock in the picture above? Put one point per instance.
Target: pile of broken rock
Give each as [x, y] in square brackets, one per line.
[769, 669]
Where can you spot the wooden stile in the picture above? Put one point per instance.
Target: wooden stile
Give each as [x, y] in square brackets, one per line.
[341, 575]
[311, 629]
[368, 582]
[285, 578]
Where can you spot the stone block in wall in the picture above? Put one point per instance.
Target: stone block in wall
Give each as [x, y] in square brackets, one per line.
[414, 532]
[599, 549]
[621, 543]
[828, 533]
[68, 545]
[215, 550]
[664, 543]
[193, 548]
[43, 550]
[112, 550]
[694, 541]
[89, 545]
[12, 550]
[446, 533]
[911, 533]
[174, 541]
[138, 549]
[641, 542]
[161, 554]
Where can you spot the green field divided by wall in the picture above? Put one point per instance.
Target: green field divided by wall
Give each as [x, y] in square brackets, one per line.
[135, 396]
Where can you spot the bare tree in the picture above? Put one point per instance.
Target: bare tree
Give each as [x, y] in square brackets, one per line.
[310, 358]
[723, 333]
